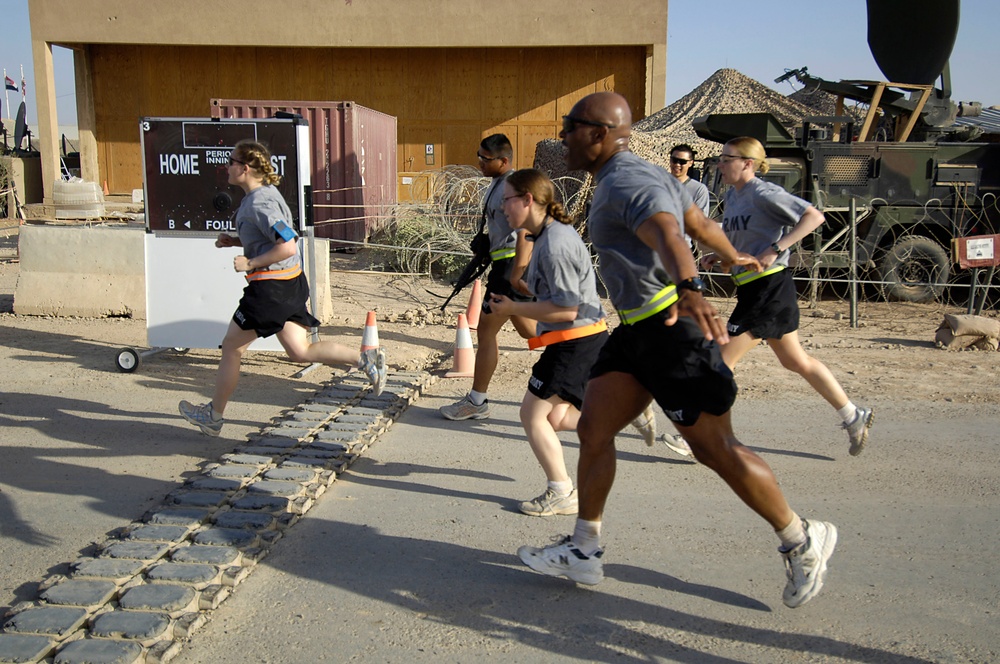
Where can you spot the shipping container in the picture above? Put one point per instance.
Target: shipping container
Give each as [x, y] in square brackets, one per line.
[353, 162]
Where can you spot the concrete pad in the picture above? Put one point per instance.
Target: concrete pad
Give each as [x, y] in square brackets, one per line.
[137, 625]
[166, 597]
[99, 651]
[54, 621]
[77, 592]
[24, 648]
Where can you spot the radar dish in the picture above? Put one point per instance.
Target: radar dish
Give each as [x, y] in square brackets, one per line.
[911, 40]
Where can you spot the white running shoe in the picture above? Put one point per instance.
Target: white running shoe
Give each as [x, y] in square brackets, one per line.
[805, 565]
[372, 364]
[464, 409]
[201, 417]
[677, 444]
[858, 429]
[551, 504]
[646, 425]
[563, 558]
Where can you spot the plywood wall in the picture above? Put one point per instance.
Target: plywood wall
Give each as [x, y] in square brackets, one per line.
[445, 98]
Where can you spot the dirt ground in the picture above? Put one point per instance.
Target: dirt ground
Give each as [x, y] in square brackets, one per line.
[85, 448]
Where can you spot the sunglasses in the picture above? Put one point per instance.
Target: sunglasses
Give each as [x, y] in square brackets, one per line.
[485, 158]
[679, 161]
[570, 123]
[232, 161]
[730, 157]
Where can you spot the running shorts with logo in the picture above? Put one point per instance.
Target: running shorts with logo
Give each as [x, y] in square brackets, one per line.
[564, 368]
[676, 364]
[267, 304]
[767, 307]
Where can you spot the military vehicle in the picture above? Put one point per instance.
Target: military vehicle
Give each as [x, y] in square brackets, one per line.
[916, 179]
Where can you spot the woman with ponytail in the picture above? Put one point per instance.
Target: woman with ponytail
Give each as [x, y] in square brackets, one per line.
[571, 327]
[274, 301]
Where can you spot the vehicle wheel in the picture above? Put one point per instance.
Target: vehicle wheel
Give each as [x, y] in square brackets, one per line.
[127, 360]
[916, 269]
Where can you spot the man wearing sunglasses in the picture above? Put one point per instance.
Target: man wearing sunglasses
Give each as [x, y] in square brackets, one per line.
[681, 160]
[510, 253]
[666, 348]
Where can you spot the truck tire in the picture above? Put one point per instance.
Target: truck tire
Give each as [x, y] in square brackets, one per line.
[915, 269]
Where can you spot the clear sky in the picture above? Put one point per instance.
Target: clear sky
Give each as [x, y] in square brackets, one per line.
[760, 39]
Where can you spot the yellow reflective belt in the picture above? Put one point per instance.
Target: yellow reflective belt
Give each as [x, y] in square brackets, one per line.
[748, 276]
[500, 254]
[658, 303]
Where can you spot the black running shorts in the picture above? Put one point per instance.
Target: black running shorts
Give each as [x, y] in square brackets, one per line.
[267, 304]
[681, 369]
[563, 368]
[767, 308]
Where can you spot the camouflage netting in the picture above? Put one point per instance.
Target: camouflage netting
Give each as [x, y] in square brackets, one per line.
[725, 91]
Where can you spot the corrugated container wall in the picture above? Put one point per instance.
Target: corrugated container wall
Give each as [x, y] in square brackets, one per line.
[353, 161]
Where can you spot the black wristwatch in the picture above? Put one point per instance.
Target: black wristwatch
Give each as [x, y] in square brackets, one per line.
[776, 248]
[692, 284]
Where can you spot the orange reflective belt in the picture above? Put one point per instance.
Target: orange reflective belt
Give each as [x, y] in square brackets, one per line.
[555, 336]
[287, 273]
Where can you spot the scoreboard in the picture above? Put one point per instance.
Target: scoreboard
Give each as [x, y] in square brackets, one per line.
[186, 170]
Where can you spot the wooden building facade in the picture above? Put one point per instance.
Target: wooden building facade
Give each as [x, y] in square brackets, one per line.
[447, 77]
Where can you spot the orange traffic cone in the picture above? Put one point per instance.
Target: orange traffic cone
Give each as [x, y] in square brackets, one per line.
[106, 192]
[369, 339]
[465, 357]
[475, 304]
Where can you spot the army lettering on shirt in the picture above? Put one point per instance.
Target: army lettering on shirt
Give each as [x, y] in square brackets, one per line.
[759, 215]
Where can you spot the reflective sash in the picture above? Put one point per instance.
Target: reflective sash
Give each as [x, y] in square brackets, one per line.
[287, 273]
[500, 254]
[555, 336]
[748, 276]
[658, 303]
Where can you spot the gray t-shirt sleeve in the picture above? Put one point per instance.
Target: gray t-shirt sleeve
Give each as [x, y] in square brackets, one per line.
[699, 193]
[500, 232]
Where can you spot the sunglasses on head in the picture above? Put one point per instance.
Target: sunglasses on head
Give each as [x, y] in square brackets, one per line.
[570, 123]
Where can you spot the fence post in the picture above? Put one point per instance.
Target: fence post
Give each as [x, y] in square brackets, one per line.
[853, 248]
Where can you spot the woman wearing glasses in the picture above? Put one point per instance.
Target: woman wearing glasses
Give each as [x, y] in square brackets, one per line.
[274, 301]
[571, 328]
[764, 220]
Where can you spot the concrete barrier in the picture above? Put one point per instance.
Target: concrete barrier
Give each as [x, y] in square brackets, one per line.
[100, 272]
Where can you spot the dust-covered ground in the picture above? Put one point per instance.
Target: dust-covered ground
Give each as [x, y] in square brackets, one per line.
[85, 449]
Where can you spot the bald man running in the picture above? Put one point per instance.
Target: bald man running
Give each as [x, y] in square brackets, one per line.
[665, 349]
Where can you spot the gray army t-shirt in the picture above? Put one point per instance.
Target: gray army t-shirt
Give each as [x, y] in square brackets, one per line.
[699, 194]
[561, 271]
[757, 215]
[501, 234]
[629, 191]
[256, 217]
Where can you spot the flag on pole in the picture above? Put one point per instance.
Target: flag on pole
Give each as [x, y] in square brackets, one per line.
[9, 83]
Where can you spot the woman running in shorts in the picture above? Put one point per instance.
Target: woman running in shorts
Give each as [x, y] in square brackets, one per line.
[764, 220]
[274, 301]
[571, 327]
